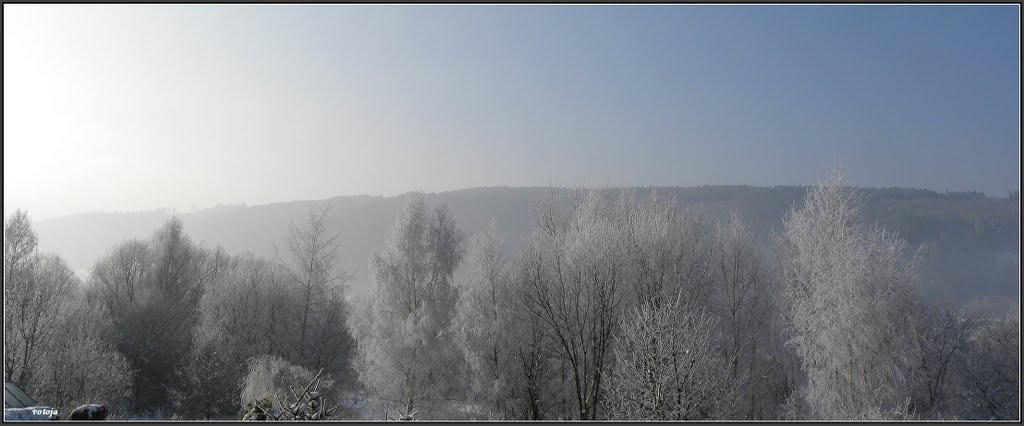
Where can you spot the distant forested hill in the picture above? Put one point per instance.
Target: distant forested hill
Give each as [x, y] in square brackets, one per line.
[971, 240]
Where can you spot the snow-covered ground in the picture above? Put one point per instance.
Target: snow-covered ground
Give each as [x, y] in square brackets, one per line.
[30, 413]
[360, 406]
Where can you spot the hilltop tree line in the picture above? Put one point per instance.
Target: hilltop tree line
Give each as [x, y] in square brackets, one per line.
[617, 305]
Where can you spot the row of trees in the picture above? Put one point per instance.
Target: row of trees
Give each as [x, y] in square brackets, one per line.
[164, 325]
[616, 305]
[630, 307]
[57, 344]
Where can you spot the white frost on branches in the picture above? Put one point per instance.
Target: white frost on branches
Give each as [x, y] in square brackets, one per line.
[848, 289]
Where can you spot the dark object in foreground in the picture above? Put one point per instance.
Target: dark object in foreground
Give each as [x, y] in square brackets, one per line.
[89, 412]
[309, 405]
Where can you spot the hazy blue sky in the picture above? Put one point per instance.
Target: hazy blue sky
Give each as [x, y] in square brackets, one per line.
[123, 107]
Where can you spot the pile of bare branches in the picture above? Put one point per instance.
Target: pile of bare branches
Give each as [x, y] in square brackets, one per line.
[308, 405]
[411, 417]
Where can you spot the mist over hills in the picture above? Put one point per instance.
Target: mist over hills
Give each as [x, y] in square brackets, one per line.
[971, 241]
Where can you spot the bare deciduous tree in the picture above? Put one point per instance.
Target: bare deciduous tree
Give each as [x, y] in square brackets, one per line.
[37, 289]
[742, 298]
[667, 366]
[20, 258]
[941, 335]
[578, 288]
[120, 276]
[669, 249]
[991, 382]
[541, 385]
[311, 267]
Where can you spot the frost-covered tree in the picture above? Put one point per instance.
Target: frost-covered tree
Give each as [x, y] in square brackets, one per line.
[37, 288]
[293, 308]
[20, 246]
[942, 335]
[540, 383]
[205, 386]
[991, 376]
[667, 366]
[406, 354]
[742, 300]
[81, 365]
[152, 290]
[20, 259]
[576, 289]
[312, 271]
[57, 345]
[483, 325]
[668, 249]
[848, 289]
[119, 277]
[21, 254]
[740, 281]
[33, 309]
[247, 312]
